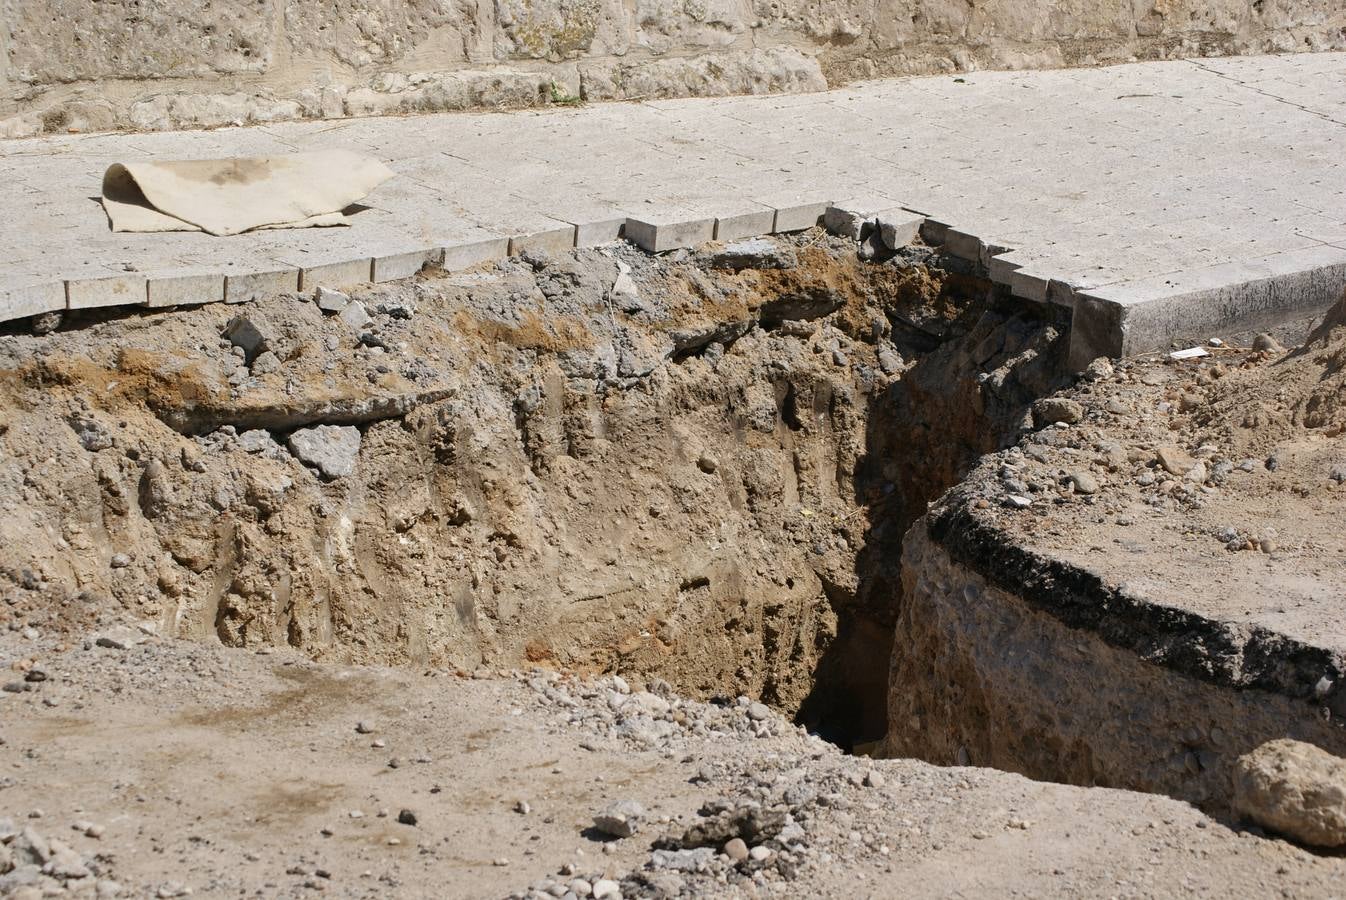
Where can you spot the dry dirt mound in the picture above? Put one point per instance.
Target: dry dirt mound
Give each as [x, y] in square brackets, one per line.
[1302, 390]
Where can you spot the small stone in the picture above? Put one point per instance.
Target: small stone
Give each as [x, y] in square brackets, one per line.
[1017, 501]
[707, 464]
[621, 819]
[46, 323]
[522, 807]
[120, 560]
[266, 363]
[332, 449]
[331, 301]
[1175, 461]
[1051, 410]
[364, 726]
[1267, 344]
[606, 887]
[874, 779]
[759, 853]
[246, 334]
[1295, 789]
[406, 817]
[1084, 483]
[758, 711]
[890, 361]
[500, 861]
[355, 315]
[736, 849]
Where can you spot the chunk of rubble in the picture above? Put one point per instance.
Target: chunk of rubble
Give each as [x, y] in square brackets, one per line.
[331, 301]
[1295, 789]
[757, 253]
[247, 334]
[622, 819]
[331, 449]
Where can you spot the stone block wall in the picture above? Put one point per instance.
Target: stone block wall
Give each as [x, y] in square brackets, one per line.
[77, 65]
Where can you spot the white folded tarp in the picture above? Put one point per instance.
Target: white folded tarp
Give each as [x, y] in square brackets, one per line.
[230, 196]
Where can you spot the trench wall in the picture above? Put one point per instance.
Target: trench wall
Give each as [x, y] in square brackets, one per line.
[156, 64]
[982, 676]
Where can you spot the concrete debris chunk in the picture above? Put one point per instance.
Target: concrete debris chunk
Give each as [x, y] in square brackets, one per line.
[1295, 789]
[622, 819]
[355, 315]
[331, 449]
[757, 253]
[248, 335]
[331, 301]
[898, 228]
[846, 220]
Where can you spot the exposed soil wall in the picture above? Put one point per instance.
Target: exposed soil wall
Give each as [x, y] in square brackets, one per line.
[694, 469]
[155, 64]
[986, 676]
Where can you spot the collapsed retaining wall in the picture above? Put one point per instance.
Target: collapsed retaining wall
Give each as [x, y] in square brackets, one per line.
[158, 64]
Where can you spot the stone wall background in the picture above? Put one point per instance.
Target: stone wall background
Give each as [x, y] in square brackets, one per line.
[91, 65]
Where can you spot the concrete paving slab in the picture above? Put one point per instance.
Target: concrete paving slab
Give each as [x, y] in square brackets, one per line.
[188, 286]
[1099, 185]
[21, 297]
[124, 289]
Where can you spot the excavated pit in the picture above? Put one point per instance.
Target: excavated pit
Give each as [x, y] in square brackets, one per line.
[695, 467]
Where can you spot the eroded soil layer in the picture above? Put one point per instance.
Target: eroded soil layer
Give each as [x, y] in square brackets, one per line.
[1148, 586]
[696, 465]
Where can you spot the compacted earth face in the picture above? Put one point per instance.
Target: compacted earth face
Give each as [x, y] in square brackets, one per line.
[711, 473]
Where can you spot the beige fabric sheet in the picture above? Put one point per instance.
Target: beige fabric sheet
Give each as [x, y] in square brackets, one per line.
[230, 196]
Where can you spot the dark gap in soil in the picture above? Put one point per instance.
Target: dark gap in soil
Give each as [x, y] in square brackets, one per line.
[967, 395]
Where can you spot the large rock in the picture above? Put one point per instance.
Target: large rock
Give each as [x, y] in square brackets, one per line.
[1295, 789]
[331, 449]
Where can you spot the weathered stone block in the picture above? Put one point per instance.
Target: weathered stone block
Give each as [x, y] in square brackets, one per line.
[113, 290]
[750, 223]
[247, 286]
[182, 288]
[467, 254]
[798, 217]
[559, 29]
[364, 32]
[669, 232]
[58, 41]
[338, 274]
[19, 300]
[404, 265]
[552, 240]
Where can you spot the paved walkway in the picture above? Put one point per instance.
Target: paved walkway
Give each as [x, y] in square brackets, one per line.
[1184, 183]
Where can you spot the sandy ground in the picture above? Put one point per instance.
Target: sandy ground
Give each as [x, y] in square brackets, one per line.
[234, 773]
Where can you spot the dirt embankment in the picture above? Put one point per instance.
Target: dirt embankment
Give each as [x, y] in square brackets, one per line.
[1148, 585]
[692, 465]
